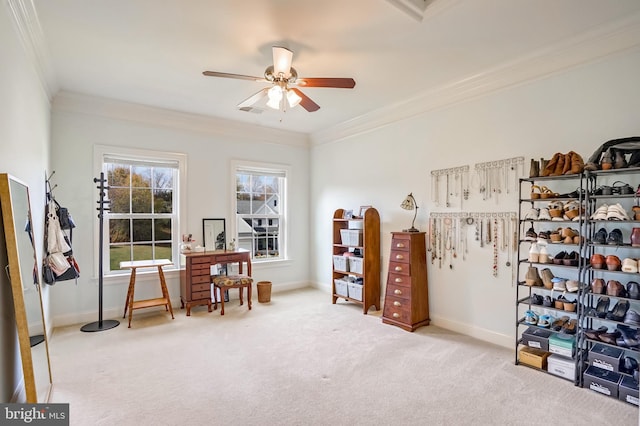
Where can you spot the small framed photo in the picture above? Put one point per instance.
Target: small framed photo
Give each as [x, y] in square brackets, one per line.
[347, 214]
[362, 210]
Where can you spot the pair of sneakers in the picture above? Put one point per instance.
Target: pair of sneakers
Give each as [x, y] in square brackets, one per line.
[537, 214]
[538, 254]
[610, 212]
[532, 318]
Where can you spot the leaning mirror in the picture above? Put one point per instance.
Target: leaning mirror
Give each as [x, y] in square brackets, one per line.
[214, 234]
[21, 269]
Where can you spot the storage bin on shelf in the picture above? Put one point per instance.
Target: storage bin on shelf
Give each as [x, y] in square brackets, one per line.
[355, 290]
[340, 262]
[355, 264]
[342, 287]
[351, 237]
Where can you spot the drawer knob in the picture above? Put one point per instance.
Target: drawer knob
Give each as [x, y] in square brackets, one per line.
[398, 268]
[399, 256]
[396, 315]
[397, 291]
[400, 245]
[396, 303]
[398, 280]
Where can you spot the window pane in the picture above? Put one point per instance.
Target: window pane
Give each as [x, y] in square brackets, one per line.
[162, 230]
[118, 254]
[119, 231]
[117, 175]
[163, 251]
[119, 200]
[141, 200]
[141, 177]
[142, 251]
[258, 184]
[163, 178]
[258, 204]
[142, 230]
[162, 201]
[273, 204]
[271, 185]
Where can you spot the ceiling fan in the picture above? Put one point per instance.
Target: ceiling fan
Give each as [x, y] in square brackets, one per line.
[282, 75]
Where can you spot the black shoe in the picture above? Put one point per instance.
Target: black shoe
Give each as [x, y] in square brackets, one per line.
[619, 311]
[602, 307]
[629, 365]
[629, 336]
[615, 237]
[547, 301]
[594, 333]
[600, 237]
[536, 299]
[632, 317]
[633, 290]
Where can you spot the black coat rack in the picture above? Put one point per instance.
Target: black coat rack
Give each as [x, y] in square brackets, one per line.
[101, 325]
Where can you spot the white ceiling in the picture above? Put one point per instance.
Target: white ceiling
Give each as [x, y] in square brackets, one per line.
[153, 52]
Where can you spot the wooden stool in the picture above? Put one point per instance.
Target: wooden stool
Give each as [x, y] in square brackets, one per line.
[131, 304]
[225, 282]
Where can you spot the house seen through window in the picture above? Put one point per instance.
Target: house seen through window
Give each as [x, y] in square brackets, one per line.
[259, 211]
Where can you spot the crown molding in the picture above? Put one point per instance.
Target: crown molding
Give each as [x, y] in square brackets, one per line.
[585, 48]
[31, 35]
[126, 111]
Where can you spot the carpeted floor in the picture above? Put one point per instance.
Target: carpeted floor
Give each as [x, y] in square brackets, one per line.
[302, 361]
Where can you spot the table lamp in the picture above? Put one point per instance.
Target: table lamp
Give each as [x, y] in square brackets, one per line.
[409, 203]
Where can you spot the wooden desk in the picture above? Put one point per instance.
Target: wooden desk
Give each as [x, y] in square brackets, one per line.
[130, 304]
[195, 278]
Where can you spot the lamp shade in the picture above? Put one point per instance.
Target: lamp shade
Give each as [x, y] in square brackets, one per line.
[409, 203]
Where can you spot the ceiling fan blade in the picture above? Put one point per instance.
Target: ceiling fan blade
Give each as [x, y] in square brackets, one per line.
[340, 83]
[282, 58]
[306, 101]
[253, 98]
[229, 75]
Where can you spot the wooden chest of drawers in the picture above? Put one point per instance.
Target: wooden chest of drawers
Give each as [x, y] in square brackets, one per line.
[406, 302]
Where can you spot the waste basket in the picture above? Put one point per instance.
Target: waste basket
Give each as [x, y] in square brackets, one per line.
[264, 291]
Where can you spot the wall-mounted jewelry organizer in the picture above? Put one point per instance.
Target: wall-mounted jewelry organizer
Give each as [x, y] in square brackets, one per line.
[495, 178]
[456, 186]
[449, 239]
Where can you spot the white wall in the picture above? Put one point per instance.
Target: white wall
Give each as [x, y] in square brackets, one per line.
[576, 110]
[80, 122]
[24, 149]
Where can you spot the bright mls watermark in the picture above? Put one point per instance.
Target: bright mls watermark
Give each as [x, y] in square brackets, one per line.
[34, 414]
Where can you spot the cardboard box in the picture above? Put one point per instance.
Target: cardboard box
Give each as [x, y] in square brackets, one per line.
[605, 357]
[537, 338]
[533, 357]
[628, 390]
[602, 381]
[562, 344]
[562, 366]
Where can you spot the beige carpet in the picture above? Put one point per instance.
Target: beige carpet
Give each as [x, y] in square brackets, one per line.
[302, 361]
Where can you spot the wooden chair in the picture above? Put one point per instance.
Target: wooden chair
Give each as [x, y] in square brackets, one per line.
[225, 282]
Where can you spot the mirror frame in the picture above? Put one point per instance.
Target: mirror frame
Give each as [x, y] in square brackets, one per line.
[15, 277]
[209, 228]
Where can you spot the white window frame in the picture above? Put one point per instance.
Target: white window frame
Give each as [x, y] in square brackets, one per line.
[284, 213]
[179, 195]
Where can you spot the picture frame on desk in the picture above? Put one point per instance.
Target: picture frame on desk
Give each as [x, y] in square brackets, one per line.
[214, 234]
[362, 210]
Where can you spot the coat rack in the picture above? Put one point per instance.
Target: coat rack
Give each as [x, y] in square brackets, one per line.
[100, 325]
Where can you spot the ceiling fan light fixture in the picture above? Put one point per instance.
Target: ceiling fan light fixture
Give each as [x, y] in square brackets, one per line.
[293, 98]
[275, 96]
[282, 58]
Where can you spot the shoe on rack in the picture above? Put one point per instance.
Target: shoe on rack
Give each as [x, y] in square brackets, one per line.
[594, 334]
[559, 323]
[545, 321]
[629, 365]
[532, 214]
[543, 256]
[598, 286]
[628, 335]
[615, 288]
[602, 307]
[559, 284]
[571, 259]
[633, 290]
[615, 237]
[534, 253]
[547, 278]
[532, 278]
[531, 318]
[569, 305]
[570, 327]
[619, 311]
[600, 237]
[547, 302]
[600, 213]
[619, 162]
[559, 302]
[531, 235]
[536, 299]
[544, 214]
[610, 337]
[597, 261]
[573, 286]
[543, 238]
[630, 265]
[558, 259]
[556, 210]
[632, 317]
[616, 212]
[613, 262]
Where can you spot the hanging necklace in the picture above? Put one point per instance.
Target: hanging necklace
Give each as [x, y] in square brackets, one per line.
[495, 247]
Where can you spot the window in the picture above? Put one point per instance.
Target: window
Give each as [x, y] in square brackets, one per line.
[142, 223]
[260, 215]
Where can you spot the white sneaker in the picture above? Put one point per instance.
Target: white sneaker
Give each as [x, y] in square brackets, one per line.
[534, 254]
[531, 214]
[616, 212]
[543, 257]
[600, 213]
